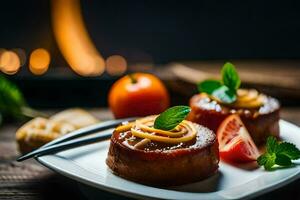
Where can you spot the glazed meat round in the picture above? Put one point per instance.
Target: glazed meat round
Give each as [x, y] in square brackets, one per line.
[160, 163]
[261, 121]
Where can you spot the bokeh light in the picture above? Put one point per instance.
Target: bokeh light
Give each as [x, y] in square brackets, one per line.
[9, 62]
[2, 50]
[22, 55]
[73, 39]
[39, 61]
[116, 65]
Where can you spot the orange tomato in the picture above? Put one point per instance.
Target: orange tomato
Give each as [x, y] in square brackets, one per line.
[138, 94]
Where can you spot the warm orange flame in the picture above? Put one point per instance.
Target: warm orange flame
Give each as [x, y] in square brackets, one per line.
[73, 39]
[39, 61]
[116, 65]
[9, 62]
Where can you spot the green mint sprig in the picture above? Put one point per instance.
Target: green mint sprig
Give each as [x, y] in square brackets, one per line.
[226, 89]
[171, 117]
[12, 102]
[278, 153]
[11, 99]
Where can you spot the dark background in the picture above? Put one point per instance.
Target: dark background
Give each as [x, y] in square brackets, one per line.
[164, 31]
[150, 31]
[155, 32]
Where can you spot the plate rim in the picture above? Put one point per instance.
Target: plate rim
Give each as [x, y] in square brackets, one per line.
[48, 159]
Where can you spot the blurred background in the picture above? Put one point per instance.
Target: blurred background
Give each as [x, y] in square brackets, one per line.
[64, 53]
[68, 53]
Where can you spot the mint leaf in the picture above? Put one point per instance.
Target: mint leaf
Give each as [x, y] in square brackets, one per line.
[261, 160]
[11, 99]
[224, 90]
[270, 161]
[12, 102]
[224, 94]
[209, 86]
[271, 145]
[170, 118]
[278, 153]
[230, 77]
[283, 160]
[267, 160]
[216, 89]
[289, 150]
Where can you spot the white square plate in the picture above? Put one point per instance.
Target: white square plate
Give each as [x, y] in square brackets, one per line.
[87, 165]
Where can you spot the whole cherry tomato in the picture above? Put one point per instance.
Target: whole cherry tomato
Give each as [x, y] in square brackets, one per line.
[138, 94]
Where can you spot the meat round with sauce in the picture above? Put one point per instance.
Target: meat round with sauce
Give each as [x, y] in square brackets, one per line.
[158, 163]
[260, 122]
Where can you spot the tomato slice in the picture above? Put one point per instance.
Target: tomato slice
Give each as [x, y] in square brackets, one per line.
[235, 143]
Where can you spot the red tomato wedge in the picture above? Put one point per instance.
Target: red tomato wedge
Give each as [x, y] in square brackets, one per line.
[235, 143]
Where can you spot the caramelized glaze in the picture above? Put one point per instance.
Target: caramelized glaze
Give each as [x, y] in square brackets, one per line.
[203, 137]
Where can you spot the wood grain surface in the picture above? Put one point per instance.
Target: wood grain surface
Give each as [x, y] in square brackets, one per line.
[278, 78]
[29, 180]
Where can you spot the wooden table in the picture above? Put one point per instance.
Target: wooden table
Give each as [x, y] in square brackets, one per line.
[29, 180]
